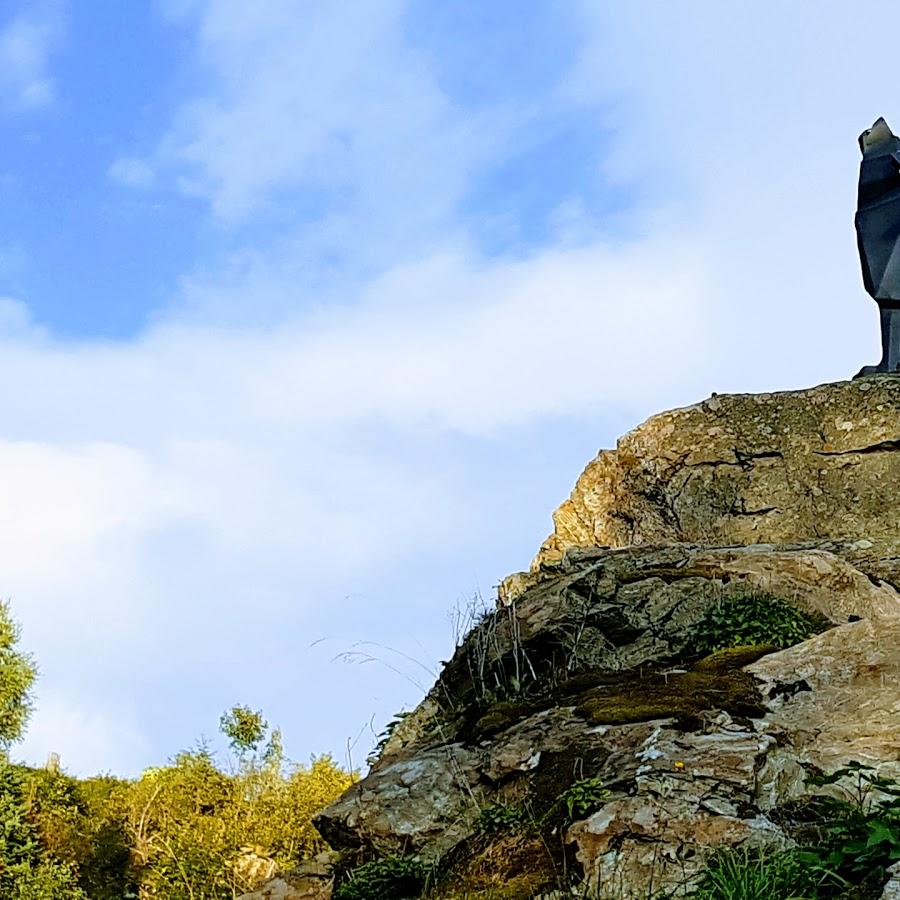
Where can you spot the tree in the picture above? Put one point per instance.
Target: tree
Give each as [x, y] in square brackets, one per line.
[27, 870]
[17, 674]
[244, 728]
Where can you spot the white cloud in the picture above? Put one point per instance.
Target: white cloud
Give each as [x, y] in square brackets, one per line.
[316, 122]
[25, 45]
[177, 503]
[151, 490]
[451, 342]
[746, 121]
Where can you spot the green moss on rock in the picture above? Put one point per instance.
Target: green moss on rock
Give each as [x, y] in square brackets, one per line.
[716, 682]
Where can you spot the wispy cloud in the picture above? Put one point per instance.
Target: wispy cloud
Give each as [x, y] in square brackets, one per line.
[25, 45]
[158, 493]
[304, 420]
[304, 102]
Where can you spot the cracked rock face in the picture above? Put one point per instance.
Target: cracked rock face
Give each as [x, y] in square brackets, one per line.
[837, 695]
[694, 755]
[748, 469]
[590, 669]
[687, 793]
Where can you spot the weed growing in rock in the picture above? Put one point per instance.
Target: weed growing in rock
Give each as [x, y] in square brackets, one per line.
[385, 736]
[498, 817]
[498, 663]
[384, 879]
[755, 618]
[859, 837]
[847, 844]
[583, 798]
[741, 874]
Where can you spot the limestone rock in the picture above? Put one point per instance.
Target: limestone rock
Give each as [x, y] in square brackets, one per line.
[775, 468]
[416, 804]
[311, 880]
[590, 667]
[688, 793]
[596, 662]
[837, 695]
[253, 865]
[892, 888]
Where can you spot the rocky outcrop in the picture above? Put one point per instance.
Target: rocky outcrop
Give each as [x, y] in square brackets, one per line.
[682, 793]
[592, 674]
[593, 671]
[748, 469]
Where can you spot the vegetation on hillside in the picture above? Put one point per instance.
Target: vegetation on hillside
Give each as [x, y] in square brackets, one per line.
[187, 829]
[190, 829]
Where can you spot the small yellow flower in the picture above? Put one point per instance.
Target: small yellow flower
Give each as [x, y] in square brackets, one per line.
[679, 764]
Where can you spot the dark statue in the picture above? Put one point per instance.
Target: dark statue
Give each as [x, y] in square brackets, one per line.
[878, 235]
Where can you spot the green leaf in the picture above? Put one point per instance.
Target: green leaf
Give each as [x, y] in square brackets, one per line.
[879, 833]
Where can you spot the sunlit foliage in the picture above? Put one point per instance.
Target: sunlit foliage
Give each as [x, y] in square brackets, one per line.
[190, 829]
[195, 828]
[17, 674]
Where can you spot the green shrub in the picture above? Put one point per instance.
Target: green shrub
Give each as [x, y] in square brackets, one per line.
[390, 878]
[848, 842]
[740, 874]
[244, 727]
[48, 880]
[198, 831]
[497, 817]
[755, 619]
[27, 870]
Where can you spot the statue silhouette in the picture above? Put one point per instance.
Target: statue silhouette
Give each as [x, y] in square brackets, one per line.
[878, 235]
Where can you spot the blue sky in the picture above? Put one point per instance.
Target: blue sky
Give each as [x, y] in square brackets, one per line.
[311, 313]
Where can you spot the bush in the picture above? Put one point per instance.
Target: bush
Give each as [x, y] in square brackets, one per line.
[859, 836]
[197, 831]
[390, 878]
[187, 829]
[498, 817]
[755, 619]
[27, 870]
[847, 844]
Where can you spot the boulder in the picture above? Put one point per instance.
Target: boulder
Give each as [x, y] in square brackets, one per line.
[837, 696]
[776, 468]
